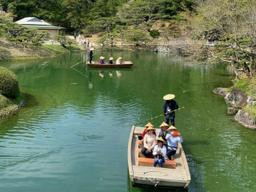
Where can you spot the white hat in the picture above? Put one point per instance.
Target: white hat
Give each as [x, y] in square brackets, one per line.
[101, 57]
[91, 49]
[111, 58]
[168, 97]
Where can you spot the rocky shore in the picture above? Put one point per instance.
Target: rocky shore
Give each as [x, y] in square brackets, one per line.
[237, 101]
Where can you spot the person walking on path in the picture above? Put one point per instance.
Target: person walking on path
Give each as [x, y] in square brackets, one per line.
[170, 105]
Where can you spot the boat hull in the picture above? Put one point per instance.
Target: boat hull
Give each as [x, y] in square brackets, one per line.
[126, 64]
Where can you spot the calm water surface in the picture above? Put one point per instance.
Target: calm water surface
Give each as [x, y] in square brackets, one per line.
[73, 137]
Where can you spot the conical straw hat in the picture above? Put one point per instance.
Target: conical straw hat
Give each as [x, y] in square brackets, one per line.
[111, 58]
[101, 57]
[171, 128]
[150, 128]
[168, 97]
[164, 125]
[149, 125]
[160, 139]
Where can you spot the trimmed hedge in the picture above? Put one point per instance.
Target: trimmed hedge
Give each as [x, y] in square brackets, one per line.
[9, 86]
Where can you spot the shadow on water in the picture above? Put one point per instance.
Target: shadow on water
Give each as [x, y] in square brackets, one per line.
[28, 100]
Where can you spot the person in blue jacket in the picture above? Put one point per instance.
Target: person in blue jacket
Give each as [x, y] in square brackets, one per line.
[170, 105]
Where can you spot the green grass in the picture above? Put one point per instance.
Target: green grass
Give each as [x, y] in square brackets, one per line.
[247, 86]
[251, 110]
[242, 84]
[55, 48]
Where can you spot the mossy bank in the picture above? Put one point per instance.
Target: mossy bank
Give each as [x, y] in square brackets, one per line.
[9, 93]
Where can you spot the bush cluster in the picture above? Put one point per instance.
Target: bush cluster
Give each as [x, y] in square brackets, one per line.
[9, 86]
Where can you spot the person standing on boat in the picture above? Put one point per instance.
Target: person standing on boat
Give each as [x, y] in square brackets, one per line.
[163, 130]
[149, 141]
[111, 60]
[169, 108]
[173, 138]
[102, 60]
[159, 152]
[91, 55]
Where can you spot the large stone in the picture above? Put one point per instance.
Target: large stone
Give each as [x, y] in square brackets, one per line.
[251, 101]
[245, 119]
[236, 98]
[221, 91]
[232, 110]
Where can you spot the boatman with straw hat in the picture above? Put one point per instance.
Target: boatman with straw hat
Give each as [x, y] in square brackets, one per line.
[170, 105]
[90, 55]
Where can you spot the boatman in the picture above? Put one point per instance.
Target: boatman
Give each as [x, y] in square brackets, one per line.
[91, 55]
[170, 105]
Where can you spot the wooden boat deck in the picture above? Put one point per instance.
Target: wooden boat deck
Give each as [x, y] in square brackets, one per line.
[149, 175]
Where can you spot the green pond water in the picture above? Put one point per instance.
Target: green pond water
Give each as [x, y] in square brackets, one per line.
[73, 135]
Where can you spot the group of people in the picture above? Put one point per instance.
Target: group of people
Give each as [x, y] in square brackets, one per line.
[111, 60]
[102, 59]
[164, 145]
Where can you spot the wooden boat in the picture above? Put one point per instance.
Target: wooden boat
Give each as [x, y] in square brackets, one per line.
[175, 173]
[125, 64]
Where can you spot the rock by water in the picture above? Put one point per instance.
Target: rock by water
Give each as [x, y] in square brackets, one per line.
[245, 119]
[221, 91]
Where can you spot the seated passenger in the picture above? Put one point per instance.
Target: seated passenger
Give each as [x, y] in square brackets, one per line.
[149, 141]
[163, 132]
[159, 153]
[119, 61]
[102, 60]
[145, 130]
[173, 137]
[111, 60]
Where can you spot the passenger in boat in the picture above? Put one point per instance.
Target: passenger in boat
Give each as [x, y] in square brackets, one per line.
[159, 152]
[173, 138]
[102, 60]
[119, 60]
[170, 106]
[145, 130]
[111, 60]
[163, 130]
[91, 55]
[149, 141]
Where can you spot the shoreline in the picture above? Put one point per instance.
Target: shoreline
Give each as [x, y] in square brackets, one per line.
[237, 102]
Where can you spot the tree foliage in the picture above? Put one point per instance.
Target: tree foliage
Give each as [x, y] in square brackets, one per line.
[232, 23]
[21, 35]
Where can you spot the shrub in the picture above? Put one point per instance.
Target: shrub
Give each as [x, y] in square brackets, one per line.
[9, 86]
[154, 33]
